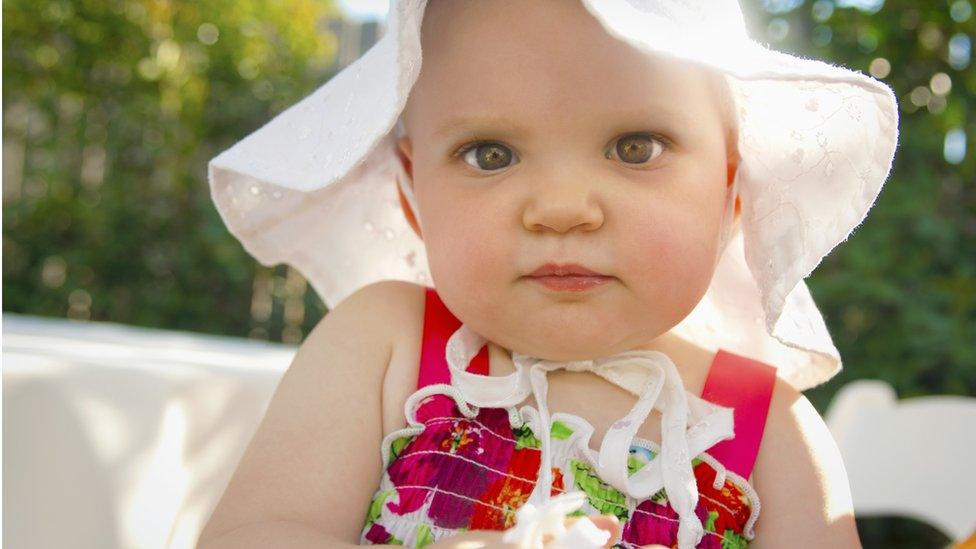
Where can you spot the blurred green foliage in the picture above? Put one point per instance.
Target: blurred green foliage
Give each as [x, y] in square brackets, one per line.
[113, 107]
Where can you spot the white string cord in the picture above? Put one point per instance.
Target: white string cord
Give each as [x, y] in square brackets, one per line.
[663, 389]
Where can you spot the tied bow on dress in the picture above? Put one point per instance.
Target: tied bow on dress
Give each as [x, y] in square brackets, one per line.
[689, 425]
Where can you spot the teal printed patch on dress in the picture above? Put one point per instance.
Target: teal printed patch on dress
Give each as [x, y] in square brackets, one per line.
[639, 457]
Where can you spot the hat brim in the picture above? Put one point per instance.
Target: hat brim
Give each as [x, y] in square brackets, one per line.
[315, 187]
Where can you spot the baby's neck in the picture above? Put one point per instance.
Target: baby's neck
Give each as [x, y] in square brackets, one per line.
[688, 358]
[675, 347]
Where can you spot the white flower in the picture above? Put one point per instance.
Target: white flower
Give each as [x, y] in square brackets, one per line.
[534, 524]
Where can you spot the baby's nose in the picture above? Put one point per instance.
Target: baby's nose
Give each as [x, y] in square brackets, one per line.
[562, 208]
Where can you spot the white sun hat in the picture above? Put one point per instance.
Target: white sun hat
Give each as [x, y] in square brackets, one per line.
[316, 187]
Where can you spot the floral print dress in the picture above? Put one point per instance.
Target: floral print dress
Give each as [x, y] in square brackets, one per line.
[457, 467]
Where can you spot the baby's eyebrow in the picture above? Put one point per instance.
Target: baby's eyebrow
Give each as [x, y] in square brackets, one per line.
[508, 127]
[458, 124]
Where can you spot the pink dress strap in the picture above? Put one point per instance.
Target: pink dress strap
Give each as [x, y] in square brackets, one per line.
[733, 380]
[746, 385]
[439, 325]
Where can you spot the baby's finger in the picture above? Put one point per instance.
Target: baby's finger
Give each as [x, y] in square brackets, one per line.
[610, 523]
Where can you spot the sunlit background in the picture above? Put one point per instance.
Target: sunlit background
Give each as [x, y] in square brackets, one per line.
[112, 108]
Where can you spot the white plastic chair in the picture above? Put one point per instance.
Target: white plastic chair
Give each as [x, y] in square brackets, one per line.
[117, 436]
[911, 457]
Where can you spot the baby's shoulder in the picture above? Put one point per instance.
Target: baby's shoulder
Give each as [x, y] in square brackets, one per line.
[386, 308]
[799, 473]
[377, 317]
[394, 311]
[790, 420]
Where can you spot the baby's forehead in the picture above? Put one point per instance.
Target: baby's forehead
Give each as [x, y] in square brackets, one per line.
[549, 37]
[554, 57]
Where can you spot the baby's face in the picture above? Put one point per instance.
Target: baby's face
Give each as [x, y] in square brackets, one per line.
[591, 153]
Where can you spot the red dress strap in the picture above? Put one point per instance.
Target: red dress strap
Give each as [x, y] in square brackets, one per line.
[439, 325]
[746, 385]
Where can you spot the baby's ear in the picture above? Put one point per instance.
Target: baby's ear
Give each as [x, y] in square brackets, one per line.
[732, 165]
[404, 150]
[403, 153]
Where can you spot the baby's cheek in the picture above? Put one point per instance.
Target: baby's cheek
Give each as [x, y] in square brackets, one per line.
[465, 253]
[670, 265]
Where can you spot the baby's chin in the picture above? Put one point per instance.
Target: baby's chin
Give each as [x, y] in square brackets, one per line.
[566, 339]
[564, 325]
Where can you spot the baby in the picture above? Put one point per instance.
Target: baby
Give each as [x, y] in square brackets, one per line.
[574, 196]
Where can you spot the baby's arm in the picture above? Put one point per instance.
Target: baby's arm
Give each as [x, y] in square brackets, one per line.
[801, 479]
[307, 476]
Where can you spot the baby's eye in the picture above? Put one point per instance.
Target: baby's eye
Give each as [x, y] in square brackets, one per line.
[487, 156]
[637, 148]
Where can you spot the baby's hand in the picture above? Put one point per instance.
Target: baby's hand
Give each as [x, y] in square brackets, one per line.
[610, 523]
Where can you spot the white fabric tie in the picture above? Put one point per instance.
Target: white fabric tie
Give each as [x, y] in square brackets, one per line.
[661, 388]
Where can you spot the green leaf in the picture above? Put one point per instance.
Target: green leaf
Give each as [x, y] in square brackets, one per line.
[525, 438]
[732, 540]
[661, 497]
[398, 445]
[560, 430]
[377, 505]
[424, 536]
[601, 496]
[710, 523]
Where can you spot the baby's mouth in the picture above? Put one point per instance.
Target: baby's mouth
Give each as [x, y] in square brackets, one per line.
[569, 277]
